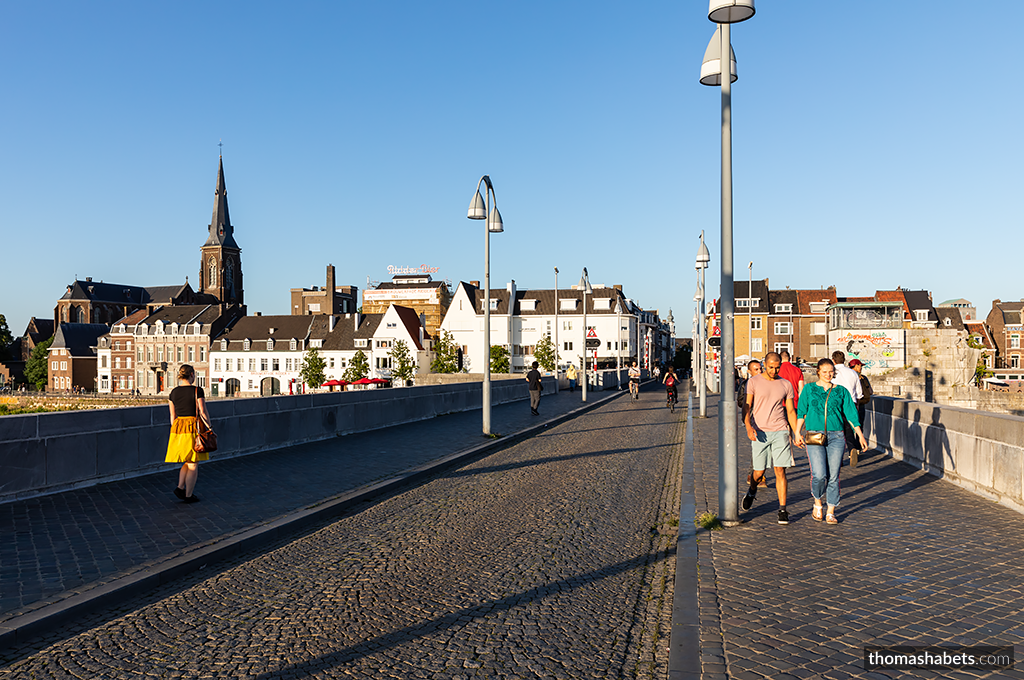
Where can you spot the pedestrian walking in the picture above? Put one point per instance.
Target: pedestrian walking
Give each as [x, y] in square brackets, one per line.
[570, 373]
[862, 403]
[826, 408]
[534, 378]
[850, 379]
[770, 418]
[753, 368]
[794, 375]
[187, 404]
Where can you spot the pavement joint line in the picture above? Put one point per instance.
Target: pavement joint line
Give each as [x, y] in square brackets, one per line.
[684, 662]
[25, 627]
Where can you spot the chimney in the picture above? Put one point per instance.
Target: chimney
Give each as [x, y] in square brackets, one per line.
[355, 318]
[330, 289]
[618, 287]
[475, 284]
[423, 322]
[259, 313]
[330, 324]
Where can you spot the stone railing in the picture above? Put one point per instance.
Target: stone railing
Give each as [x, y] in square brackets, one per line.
[979, 451]
[50, 452]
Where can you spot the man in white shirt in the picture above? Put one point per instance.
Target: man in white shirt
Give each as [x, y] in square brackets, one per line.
[850, 379]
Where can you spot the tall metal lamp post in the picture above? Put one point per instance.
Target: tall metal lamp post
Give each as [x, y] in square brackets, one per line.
[724, 13]
[703, 260]
[750, 310]
[585, 287]
[618, 345]
[556, 330]
[479, 209]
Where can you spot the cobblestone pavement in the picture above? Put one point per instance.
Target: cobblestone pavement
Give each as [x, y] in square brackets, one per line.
[58, 545]
[914, 561]
[549, 559]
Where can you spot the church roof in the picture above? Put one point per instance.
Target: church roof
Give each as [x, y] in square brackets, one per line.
[221, 231]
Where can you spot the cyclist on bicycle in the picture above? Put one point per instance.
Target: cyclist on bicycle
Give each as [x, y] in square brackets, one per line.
[671, 383]
[634, 380]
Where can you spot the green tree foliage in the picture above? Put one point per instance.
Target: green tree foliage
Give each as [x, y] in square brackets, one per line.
[981, 371]
[358, 368]
[36, 366]
[312, 371]
[446, 354]
[402, 363]
[499, 359]
[544, 353]
[5, 338]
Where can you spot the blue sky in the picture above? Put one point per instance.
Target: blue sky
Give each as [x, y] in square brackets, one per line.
[876, 144]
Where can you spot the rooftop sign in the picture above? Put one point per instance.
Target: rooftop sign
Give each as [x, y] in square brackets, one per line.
[422, 269]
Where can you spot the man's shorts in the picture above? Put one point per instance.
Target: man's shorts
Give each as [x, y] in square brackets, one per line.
[771, 449]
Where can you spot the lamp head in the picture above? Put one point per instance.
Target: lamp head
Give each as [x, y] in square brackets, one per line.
[711, 67]
[494, 224]
[703, 256]
[477, 209]
[730, 11]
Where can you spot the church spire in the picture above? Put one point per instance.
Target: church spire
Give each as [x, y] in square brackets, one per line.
[221, 231]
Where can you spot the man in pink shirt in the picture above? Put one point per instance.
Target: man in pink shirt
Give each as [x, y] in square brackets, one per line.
[794, 375]
[770, 417]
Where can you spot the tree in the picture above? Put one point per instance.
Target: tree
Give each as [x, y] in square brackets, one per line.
[36, 366]
[981, 371]
[312, 371]
[402, 363]
[446, 354]
[499, 359]
[544, 353]
[358, 368]
[5, 337]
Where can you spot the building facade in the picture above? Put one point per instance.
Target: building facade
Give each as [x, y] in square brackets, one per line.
[72, 357]
[220, 267]
[418, 292]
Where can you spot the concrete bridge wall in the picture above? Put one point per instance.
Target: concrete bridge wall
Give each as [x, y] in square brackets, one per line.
[980, 451]
[50, 452]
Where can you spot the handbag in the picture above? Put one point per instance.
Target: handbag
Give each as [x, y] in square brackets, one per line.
[820, 438]
[206, 439]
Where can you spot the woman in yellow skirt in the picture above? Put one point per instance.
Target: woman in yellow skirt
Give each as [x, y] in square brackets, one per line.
[188, 403]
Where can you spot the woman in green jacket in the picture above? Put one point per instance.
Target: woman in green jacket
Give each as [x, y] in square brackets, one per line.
[824, 407]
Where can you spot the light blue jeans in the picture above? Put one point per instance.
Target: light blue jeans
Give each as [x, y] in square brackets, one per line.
[825, 462]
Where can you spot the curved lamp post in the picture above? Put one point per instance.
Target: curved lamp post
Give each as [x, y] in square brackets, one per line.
[724, 13]
[585, 286]
[479, 209]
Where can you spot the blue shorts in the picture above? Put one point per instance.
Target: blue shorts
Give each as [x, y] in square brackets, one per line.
[771, 449]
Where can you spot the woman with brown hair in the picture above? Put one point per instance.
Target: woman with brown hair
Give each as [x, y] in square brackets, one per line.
[187, 404]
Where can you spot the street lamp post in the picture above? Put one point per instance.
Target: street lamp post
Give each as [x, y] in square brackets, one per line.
[585, 286]
[618, 345]
[556, 330]
[703, 259]
[750, 311]
[479, 209]
[724, 13]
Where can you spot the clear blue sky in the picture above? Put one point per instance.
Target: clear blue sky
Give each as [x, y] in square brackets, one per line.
[876, 144]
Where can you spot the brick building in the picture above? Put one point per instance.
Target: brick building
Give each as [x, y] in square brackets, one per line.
[72, 356]
[1006, 323]
[331, 299]
[419, 292]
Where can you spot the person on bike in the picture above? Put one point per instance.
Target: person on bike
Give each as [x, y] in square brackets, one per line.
[671, 382]
[634, 380]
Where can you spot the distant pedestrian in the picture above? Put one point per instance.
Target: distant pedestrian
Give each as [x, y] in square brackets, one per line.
[187, 404]
[534, 378]
[850, 379]
[770, 418]
[862, 403]
[571, 374]
[794, 375]
[827, 408]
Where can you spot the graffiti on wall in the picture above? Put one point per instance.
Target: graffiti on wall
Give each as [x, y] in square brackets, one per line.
[879, 350]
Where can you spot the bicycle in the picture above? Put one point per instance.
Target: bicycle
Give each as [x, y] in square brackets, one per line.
[672, 399]
[634, 390]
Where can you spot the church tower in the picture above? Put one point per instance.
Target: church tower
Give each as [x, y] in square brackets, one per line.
[220, 270]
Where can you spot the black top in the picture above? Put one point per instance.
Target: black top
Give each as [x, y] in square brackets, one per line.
[184, 399]
[534, 378]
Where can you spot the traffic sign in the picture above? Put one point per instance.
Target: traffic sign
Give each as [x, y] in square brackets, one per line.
[592, 332]
[593, 342]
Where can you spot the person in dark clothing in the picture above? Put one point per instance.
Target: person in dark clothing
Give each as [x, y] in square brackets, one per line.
[533, 377]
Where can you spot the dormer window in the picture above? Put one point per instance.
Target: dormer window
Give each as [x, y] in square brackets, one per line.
[174, 329]
[318, 342]
[360, 342]
[784, 309]
[494, 304]
[159, 327]
[120, 329]
[528, 305]
[817, 308]
[568, 303]
[294, 344]
[602, 303]
[224, 345]
[949, 322]
[270, 345]
[246, 344]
